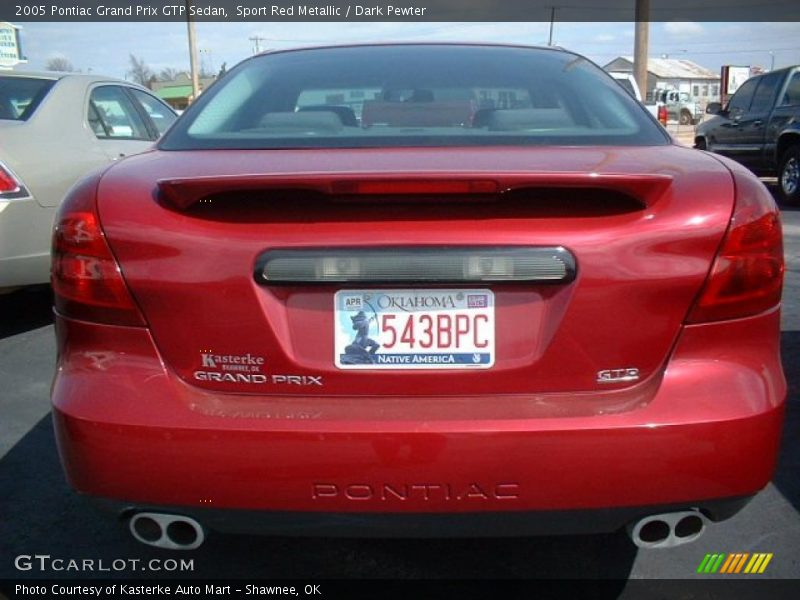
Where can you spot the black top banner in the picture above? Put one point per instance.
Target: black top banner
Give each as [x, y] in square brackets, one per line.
[399, 10]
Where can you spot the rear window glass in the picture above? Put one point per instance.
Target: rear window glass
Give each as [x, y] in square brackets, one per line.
[19, 96]
[439, 95]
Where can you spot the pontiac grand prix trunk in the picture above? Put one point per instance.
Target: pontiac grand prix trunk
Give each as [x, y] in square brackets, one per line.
[418, 290]
[641, 229]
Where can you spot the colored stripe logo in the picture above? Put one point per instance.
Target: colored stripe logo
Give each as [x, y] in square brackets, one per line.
[737, 562]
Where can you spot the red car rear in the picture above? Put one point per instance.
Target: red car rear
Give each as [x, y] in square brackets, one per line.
[504, 303]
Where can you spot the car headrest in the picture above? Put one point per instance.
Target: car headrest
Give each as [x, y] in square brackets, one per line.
[482, 117]
[529, 118]
[345, 113]
[421, 96]
[321, 122]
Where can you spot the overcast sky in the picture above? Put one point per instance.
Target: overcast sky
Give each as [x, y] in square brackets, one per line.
[104, 47]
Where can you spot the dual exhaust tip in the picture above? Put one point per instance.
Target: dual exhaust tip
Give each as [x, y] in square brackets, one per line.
[176, 532]
[173, 532]
[668, 530]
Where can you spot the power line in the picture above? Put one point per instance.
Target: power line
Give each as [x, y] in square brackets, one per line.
[566, 33]
[621, 7]
[696, 43]
[744, 51]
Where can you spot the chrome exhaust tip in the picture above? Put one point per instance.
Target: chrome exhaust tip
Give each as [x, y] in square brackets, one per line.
[668, 530]
[173, 532]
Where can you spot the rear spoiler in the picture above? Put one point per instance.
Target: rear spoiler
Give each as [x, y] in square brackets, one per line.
[182, 193]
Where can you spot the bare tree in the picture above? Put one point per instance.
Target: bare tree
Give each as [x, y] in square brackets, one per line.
[205, 72]
[139, 71]
[59, 63]
[168, 74]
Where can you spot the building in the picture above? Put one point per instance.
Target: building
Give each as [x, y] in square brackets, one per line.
[10, 46]
[674, 74]
[178, 92]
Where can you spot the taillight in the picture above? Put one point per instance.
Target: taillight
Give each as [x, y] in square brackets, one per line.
[395, 187]
[747, 275]
[86, 278]
[663, 115]
[10, 185]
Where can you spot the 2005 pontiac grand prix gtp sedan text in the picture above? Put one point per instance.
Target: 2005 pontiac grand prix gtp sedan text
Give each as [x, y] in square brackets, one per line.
[420, 290]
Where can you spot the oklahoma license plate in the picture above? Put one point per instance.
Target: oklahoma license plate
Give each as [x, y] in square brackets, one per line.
[414, 329]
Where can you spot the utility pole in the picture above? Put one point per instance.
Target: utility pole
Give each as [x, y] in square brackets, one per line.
[256, 43]
[192, 52]
[552, 21]
[641, 44]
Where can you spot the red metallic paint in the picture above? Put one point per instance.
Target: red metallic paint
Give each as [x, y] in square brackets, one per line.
[128, 428]
[191, 272]
[703, 422]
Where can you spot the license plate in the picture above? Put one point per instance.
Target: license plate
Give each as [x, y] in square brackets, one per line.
[414, 329]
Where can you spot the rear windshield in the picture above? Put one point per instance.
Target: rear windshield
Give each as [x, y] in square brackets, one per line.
[19, 96]
[416, 95]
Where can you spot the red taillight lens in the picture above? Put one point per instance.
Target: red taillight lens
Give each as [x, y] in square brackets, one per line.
[86, 278]
[663, 115]
[415, 187]
[747, 276]
[8, 183]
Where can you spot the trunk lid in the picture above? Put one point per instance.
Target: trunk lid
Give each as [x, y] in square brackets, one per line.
[190, 229]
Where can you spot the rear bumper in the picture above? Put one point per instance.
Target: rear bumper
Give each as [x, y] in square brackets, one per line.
[25, 229]
[425, 525]
[704, 435]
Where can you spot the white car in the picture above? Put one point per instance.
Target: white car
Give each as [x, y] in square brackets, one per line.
[55, 128]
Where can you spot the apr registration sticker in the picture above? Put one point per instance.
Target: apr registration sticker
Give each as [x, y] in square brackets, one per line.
[414, 329]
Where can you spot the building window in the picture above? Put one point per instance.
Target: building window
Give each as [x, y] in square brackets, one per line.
[705, 91]
[695, 90]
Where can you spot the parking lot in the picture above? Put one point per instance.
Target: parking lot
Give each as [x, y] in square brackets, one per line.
[39, 514]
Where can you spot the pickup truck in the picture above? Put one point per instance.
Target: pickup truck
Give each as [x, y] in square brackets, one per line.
[680, 106]
[760, 128]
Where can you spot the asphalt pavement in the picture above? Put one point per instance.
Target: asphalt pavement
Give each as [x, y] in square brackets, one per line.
[39, 514]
